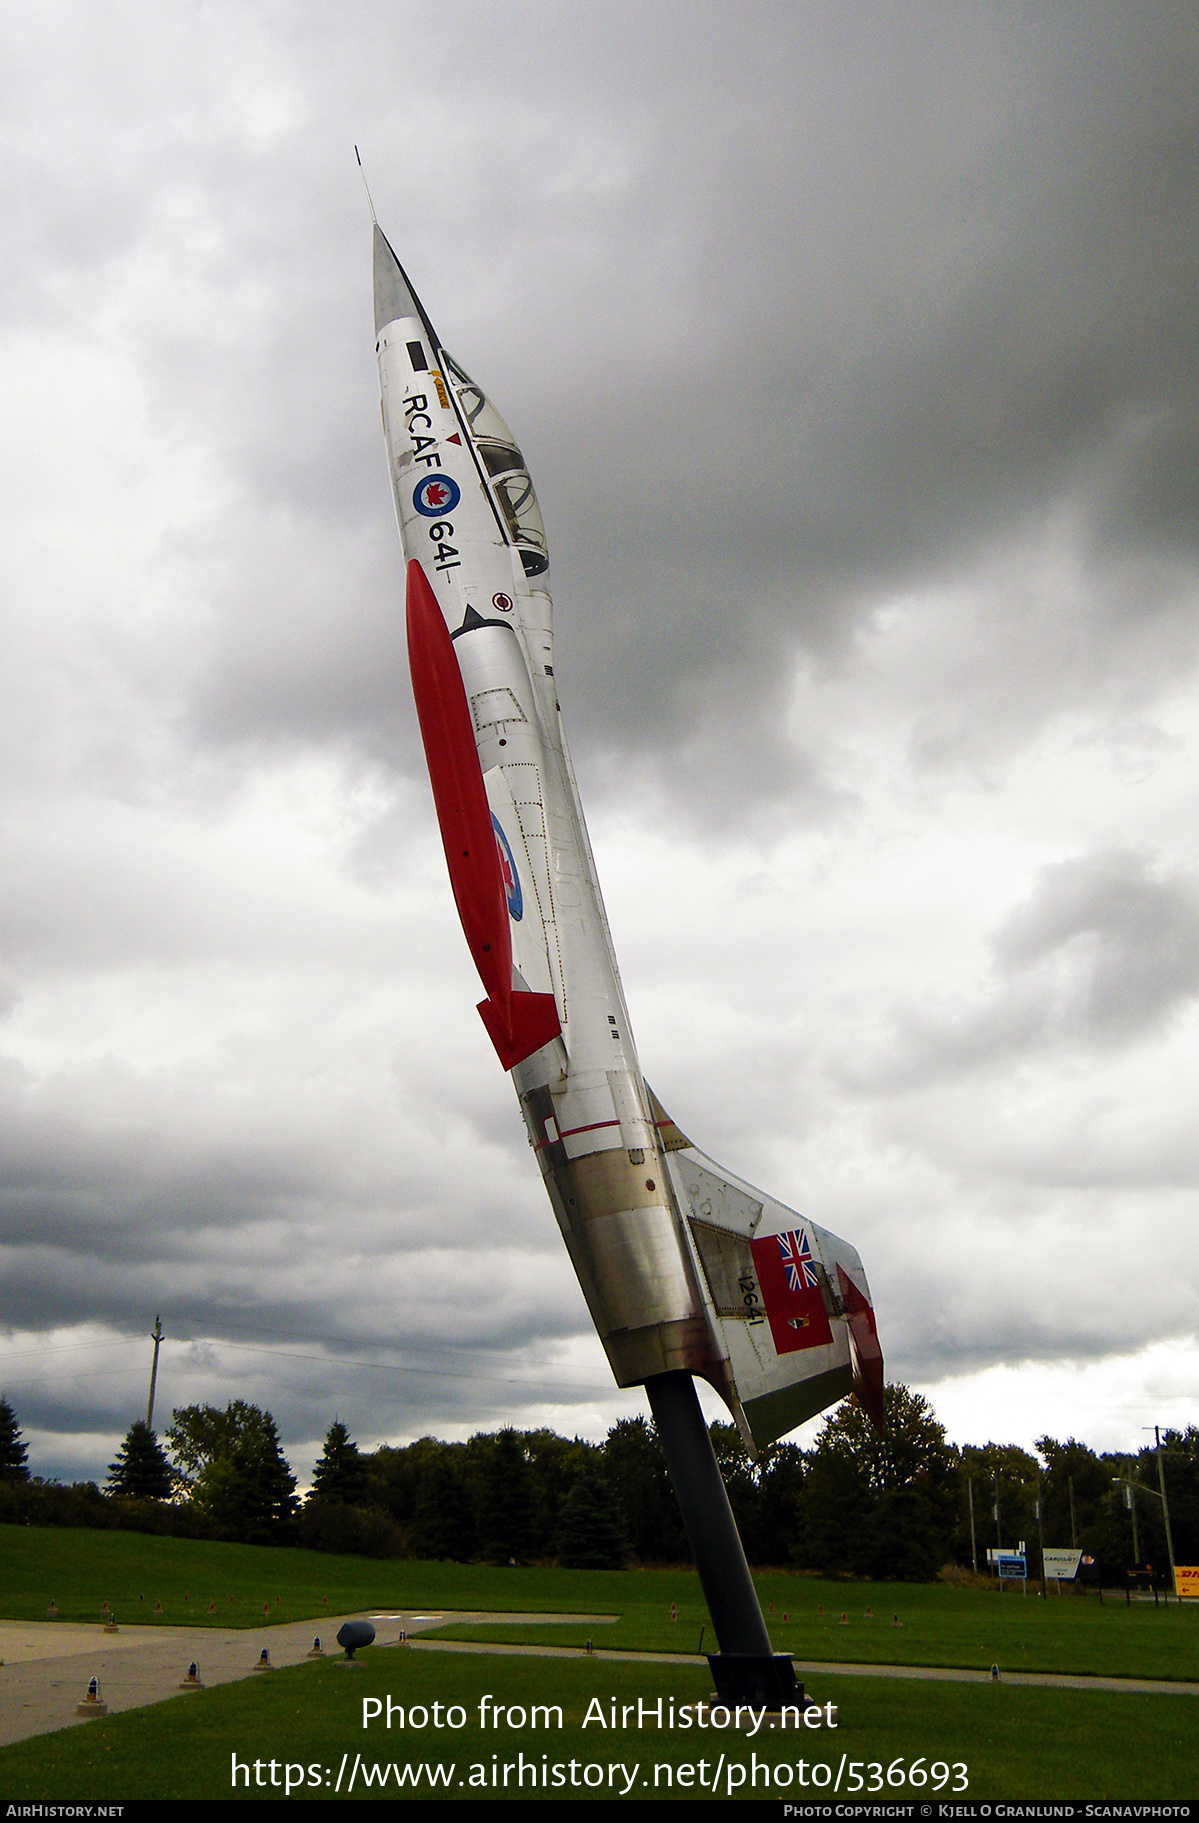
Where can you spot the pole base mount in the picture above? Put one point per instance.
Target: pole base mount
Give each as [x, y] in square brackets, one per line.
[766, 1680]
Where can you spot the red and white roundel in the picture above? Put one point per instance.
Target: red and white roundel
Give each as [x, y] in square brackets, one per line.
[502, 602]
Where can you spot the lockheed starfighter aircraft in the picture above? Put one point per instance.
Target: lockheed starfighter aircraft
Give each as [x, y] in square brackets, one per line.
[685, 1268]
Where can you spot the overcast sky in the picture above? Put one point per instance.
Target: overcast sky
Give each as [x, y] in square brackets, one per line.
[854, 353]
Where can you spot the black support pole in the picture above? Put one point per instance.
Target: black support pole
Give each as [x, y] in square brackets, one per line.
[746, 1669]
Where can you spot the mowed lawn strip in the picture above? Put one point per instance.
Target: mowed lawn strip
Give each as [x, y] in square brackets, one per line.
[1013, 1742]
[964, 1628]
[206, 1583]
[133, 1572]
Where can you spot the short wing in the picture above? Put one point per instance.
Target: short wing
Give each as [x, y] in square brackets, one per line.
[789, 1301]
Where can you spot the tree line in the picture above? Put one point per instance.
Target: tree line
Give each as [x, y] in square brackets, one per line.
[894, 1506]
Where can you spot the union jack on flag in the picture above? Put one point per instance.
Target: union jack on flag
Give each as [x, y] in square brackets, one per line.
[797, 1258]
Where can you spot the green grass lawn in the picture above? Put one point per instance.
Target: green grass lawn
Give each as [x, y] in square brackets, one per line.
[80, 1570]
[1011, 1742]
[133, 1572]
[940, 1626]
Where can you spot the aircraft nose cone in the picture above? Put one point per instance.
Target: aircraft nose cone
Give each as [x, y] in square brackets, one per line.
[394, 296]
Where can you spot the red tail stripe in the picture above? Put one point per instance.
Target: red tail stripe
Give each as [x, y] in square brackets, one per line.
[566, 1132]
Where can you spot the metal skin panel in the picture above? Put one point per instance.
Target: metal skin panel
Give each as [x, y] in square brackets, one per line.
[778, 1388]
[620, 1176]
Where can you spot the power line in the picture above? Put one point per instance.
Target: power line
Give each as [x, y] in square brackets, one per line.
[544, 1382]
[390, 1367]
[260, 1329]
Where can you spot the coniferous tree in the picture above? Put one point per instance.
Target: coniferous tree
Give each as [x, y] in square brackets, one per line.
[635, 1469]
[781, 1475]
[13, 1452]
[507, 1514]
[554, 1465]
[591, 1531]
[443, 1522]
[341, 1475]
[141, 1470]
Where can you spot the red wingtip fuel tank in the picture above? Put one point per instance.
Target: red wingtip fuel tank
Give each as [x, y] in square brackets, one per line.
[517, 1023]
[686, 1269]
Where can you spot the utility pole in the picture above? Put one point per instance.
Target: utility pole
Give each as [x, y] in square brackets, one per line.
[1161, 1482]
[1073, 1522]
[1130, 1501]
[973, 1540]
[1041, 1540]
[156, 1338]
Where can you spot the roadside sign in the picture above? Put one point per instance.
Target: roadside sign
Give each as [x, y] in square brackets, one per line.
[1062, 1564]
[1186, 1581]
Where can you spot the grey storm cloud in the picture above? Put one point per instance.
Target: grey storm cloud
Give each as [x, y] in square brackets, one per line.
[1104, 952]
[1131, 936]
[853, 355]
[800, 324]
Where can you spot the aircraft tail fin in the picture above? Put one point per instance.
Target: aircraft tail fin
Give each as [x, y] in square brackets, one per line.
[788, 1301]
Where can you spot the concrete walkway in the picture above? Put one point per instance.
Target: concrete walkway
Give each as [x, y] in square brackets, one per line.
[47, 1664]
[810, 1668]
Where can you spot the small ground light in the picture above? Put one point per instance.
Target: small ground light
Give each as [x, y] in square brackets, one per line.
[895, 1621]
[92, 1704]
[673, 1612]
[590, 1647]
[994, 1674]
[844, 1621]
[318, 1651]
[192, 1680]
[264, 1661]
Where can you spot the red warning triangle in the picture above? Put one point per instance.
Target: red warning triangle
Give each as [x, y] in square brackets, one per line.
[455, 439]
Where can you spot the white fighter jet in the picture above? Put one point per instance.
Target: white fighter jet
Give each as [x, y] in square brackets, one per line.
[686, 1269]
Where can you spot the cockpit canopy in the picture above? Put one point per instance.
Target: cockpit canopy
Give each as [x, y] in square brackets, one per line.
[511, 483]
